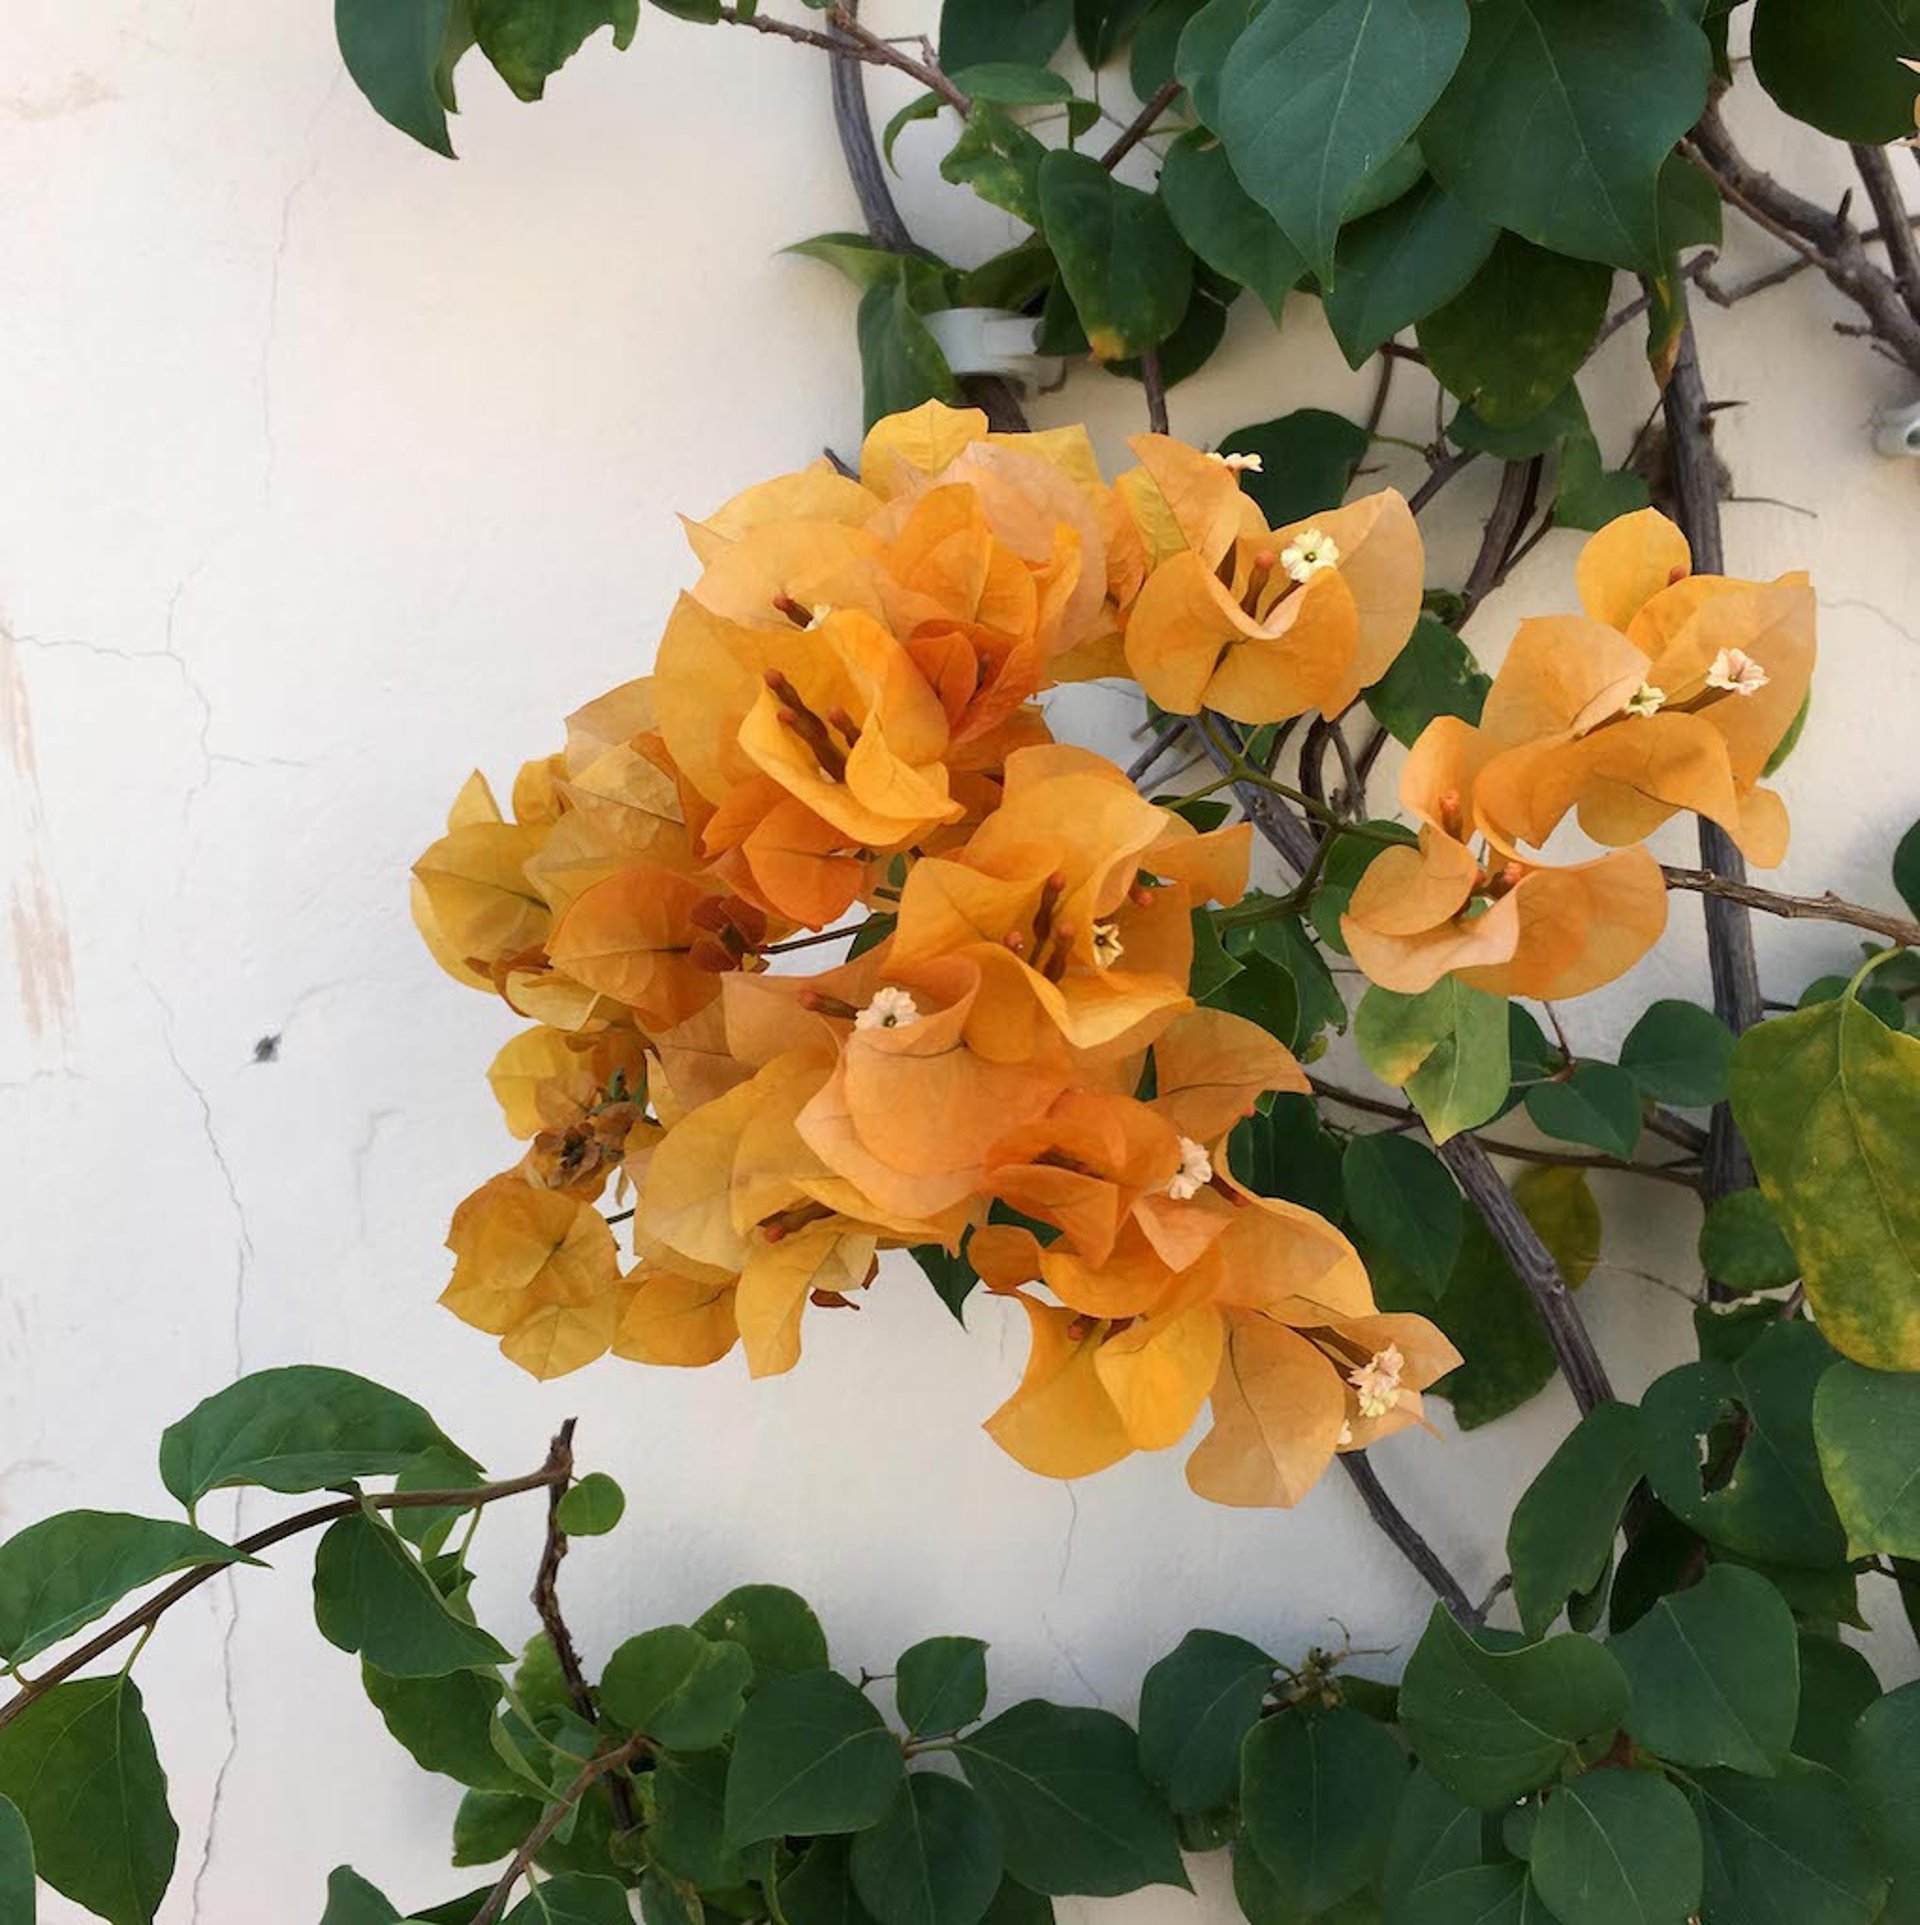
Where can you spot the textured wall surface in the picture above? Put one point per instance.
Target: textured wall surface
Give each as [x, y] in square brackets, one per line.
[332, 469]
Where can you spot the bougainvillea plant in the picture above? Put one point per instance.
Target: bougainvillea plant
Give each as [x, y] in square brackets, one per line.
[825, 948]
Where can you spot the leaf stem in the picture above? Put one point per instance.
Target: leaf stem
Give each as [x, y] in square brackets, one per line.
[553, 1474]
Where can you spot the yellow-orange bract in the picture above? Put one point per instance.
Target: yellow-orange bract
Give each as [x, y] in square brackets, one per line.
[842, 729]
[1671, 693]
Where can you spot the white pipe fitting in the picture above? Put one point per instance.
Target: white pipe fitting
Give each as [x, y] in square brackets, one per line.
[991, 340]
[1896, 431]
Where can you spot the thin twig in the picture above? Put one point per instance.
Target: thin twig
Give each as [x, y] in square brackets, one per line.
[1512, 507]
[1439, 474]
[1827, 908]
[551, 1820]
[546, 1602]
[850, 38]
[1903, 252]
[1141, 125]
[1534, 1264]
[1401, 1534]
[1169, 732]
[1405, 1116]
[1155, 390]
[552, 1474]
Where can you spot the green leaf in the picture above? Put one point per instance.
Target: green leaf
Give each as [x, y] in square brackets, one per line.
[370, 1595]
[1594, 1103]
[1150, 60]
[1013, 83]
[1481, 1895]
[1103, 26]
[1836, 1685]
[1318, 1794]
[1616, 1845]
[1318, 93]
[1075, 1815]
[1789, 1850]
[1906, 868]
[776, 1627]
[683, 1689]
[16, 1867]
[1206, 43]
[489, 1825]
[69, 1569]
[1838, 67]
[1028, 31]
[1560, 116]
[1193, 343]
[592, 1507]
[1224, 225]
[819, 1890]
[901, 364]
[1561, 1538]
[1559, 1203]
[1867, 1423]
[934, 1859]
[1307, 461]
[1447, 1048]
[953, 1277]
[811, 1755]
[1396, 267]
[1587, 493]
[1489, 1318]
[445, 1724]
[1287, 1153]
[1435, 674]
[1015, 1905]
[1401, 1197]
[1196, 1706]
[688, 1834]
[1729, 1449]
[394, 49]
[1512, 339]
[301, 1428]
[530, 40]
[573, 1898]
[1563, 418]
[78, 1765]
[1434, 1835]
[1884, 1766]
[1715, 1672]
[1741, 1245]
[1493, 1725]
[1829, 1102]
[1678, 1053]
[351, 1900]
[1688, 206]
[1122, 260]
[921, 107]
[940, 1684]
[1000, 160]
[866, 264]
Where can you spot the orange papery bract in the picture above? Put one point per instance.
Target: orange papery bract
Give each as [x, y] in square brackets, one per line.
[842, 730]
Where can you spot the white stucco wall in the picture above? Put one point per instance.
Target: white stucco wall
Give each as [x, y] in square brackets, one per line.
[331, 469]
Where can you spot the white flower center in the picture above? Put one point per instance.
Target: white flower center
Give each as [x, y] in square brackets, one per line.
[818, 614]
[1646, 700]
[890, 1009]
[1308, 553]
[1107, 946]
[1238, 464]
[1735, 669]
[1378, 1381]
[1194, 1174]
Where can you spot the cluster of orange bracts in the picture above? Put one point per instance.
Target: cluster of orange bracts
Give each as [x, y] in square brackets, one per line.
[841, 717]
[1672, 693]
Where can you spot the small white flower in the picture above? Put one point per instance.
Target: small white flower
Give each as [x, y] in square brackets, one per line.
[890, 1009]
[1239, 464]
[1646, 700]
[1378, 1381]
[1107, 946]
[1346, 1435]
[1194, 1174]
[1308, 553]
[1735, 669]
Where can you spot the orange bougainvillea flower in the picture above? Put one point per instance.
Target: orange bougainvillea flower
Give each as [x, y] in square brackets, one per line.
[1498, 922]
[1263, 623]
[1671, 694]
[1072, 902]
[536, 1268]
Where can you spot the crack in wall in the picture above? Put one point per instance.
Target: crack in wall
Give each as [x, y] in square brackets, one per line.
[1874, 609]
[243, 1262]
